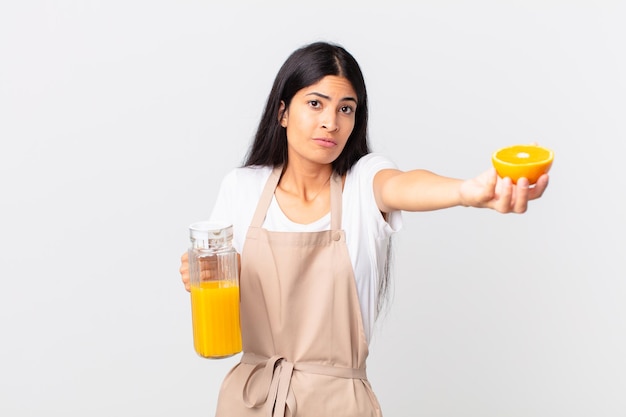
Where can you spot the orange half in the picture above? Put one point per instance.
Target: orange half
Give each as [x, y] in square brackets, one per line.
[517, 161]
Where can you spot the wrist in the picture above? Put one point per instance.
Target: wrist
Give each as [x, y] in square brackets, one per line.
[463, 201]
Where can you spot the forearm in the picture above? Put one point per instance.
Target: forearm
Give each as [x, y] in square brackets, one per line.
[417, 190]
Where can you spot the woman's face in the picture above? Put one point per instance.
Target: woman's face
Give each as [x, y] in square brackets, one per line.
[319, 120]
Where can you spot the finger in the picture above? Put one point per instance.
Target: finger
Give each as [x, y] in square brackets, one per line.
[491, 183]
[503, 204]
[540, 186]
[521, 196]
[184, 274]
[186, 281]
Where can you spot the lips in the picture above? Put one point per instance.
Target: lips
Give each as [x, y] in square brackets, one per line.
[325, 142]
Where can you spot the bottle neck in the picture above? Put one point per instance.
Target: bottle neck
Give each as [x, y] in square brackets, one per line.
[215, 245]
[211, 236]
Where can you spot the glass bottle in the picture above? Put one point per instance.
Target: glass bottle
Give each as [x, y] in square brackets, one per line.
[214, 279]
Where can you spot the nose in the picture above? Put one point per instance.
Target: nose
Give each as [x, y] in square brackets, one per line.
[329, 122]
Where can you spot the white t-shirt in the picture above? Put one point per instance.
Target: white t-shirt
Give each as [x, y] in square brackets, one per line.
[367, 232]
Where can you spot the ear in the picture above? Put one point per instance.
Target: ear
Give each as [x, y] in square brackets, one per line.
[282, 114]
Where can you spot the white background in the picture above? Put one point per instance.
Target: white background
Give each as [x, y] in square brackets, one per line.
[118, 118]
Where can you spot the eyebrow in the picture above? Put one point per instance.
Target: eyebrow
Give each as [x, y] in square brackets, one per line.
[348, 98]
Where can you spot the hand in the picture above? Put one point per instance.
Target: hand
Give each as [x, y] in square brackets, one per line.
[490, 191]
[184, 271]
[207, 267]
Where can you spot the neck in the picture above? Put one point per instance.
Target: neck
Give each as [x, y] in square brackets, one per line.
[306, 185]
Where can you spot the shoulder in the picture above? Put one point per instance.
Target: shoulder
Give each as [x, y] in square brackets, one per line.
[360, 178]
[246, 178]
[238, 197]
[240, 187]
[359, 195]
[373, 162]
[366, 168]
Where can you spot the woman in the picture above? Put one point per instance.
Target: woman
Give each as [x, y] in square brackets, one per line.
[313, 211]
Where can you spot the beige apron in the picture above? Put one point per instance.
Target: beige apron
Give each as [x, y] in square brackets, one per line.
[303, 339]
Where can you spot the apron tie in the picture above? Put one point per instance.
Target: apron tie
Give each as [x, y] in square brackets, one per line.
[274, 387]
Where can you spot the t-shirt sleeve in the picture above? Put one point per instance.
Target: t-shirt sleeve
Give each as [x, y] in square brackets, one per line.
[223, 208]
[370, 165]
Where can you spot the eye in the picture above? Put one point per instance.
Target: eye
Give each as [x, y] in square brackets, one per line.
[315, 104]
[347, 109]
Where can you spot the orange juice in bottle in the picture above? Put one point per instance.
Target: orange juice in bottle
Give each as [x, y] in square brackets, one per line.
[214, 275]
[215, 317]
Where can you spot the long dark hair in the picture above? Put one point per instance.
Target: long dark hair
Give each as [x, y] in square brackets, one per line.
[304, 67]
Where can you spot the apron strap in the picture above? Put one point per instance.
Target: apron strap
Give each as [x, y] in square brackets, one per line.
[266, 197]
[335, 202]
